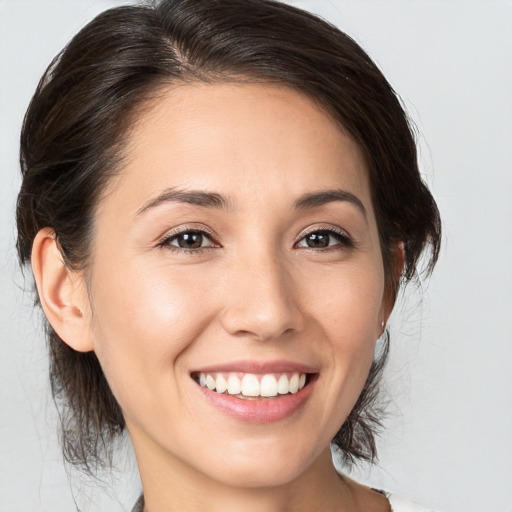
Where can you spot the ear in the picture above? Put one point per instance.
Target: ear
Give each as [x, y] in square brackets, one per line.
[62, 292]
[393, 282]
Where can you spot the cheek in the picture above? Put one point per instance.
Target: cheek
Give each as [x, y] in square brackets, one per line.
[348, 308]
[348, 303]
[142, 322]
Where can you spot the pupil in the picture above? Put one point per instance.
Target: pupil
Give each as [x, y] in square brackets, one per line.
[190, 240]
[318, 240]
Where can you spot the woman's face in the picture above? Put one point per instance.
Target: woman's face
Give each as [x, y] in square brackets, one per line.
[237, 249]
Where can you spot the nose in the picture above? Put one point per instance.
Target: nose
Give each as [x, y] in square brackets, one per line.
[261, 299]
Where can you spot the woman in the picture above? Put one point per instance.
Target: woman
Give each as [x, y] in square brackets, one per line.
[220, 201]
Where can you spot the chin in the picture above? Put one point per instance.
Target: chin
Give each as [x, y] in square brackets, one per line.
[262, 464]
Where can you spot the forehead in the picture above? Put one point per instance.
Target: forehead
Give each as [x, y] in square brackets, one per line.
[245, 141]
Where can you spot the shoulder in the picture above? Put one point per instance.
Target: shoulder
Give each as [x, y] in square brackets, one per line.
[399, 504]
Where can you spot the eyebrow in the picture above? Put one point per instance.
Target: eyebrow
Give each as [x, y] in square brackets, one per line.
[195, 197]
[218, 201]
[328, 196]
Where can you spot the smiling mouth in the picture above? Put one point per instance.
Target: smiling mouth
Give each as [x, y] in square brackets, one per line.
[250, 386]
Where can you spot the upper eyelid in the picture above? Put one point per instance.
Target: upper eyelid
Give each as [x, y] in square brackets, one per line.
[165, 242]
[187, 229]
[329, 229]
[344, 238]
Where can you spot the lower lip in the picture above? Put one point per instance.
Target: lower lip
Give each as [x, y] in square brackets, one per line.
[259, 410]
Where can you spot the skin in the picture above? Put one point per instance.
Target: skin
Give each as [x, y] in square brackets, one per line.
[255, 291]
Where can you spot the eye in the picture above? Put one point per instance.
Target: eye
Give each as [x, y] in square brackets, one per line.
[192, 240]
[324, 239]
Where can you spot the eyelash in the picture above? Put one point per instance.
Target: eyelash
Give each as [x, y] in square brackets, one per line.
[170, 237]
[344, 241]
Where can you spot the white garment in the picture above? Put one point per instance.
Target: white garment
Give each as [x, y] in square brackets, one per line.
[399, 504]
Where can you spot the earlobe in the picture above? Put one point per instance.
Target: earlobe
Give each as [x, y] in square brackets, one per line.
[61, 292]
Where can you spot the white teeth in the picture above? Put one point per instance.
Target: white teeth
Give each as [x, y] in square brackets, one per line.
[251, 385]
[220, 384]
[268, 386]
[234, 385]
[294, 383]
[210, 382]
[283, 385]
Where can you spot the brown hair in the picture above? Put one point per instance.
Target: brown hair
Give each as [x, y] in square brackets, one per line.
[75, 127]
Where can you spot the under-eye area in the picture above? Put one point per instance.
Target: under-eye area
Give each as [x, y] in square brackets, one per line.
[254, 386]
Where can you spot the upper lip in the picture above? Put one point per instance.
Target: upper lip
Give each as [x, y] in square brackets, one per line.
[257, 367]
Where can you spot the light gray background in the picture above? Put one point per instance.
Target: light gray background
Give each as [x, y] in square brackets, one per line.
[449, 439]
